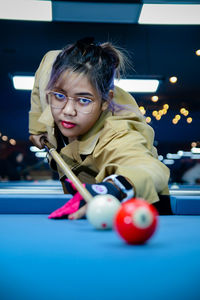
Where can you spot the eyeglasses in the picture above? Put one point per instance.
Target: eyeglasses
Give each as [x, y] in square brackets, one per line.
[59, 100]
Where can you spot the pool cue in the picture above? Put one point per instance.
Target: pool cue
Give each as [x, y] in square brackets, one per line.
[66, 169]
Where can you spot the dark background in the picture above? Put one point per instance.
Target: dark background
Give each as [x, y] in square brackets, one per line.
[160, 50]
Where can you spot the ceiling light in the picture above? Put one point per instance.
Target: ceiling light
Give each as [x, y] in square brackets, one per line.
[154, 98]
[198, 52]
[12, 142]
[4, 138]
[23, 82]
[164, 111]
[182, 110]
[177, 117]
[138, 85]
[31, 10]
[142, 109]
[170, 14]
[186, 113]
[173, 79]
[148, 119]
[154, 113]
[166, 106]
[189, 120]
[174, 121]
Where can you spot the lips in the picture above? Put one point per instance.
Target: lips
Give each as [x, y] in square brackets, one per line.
[68, 125]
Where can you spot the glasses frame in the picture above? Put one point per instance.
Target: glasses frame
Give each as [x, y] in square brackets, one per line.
[50, 92]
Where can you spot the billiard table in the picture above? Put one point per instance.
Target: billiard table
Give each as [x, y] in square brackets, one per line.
[64, 259]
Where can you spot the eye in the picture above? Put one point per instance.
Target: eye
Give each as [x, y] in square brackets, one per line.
[59, 96]
[84, 101]
[142, 218]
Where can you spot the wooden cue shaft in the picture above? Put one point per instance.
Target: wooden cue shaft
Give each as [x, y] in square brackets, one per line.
[68, 172]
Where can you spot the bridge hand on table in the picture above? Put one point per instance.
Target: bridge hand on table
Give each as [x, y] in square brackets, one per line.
[75, 208]
[68, 208]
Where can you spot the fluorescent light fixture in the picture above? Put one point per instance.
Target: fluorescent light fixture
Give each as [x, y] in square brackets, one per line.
[138, 85]
[129, 85]
[31, 10]
[170, 14]
[23, 82]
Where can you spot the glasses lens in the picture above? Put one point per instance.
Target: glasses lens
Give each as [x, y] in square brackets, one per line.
[57, 100]
[81, 104]
[84, 105]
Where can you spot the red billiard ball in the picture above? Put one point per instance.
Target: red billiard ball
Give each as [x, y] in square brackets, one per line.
[136, 221]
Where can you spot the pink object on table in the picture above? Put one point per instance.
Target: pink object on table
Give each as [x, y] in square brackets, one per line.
[70, 207]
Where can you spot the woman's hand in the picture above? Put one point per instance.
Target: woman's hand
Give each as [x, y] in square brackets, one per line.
[35, 139]
[76, 207]
[79, 213]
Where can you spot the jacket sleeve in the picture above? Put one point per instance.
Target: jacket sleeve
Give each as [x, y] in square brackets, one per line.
[38, 98]
[36, 108]
[127, 149]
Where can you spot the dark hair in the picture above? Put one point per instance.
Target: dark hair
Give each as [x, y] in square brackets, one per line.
[101, 63]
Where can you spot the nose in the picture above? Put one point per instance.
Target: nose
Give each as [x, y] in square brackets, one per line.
[69, 108]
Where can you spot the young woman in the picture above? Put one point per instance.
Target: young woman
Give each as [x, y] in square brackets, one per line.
[108, 145]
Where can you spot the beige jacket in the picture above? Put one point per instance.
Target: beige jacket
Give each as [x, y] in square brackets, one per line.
[117, 144]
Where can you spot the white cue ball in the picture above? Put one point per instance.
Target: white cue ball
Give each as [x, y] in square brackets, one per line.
[101, 211]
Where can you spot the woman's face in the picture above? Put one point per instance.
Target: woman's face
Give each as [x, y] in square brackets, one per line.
[73, 123]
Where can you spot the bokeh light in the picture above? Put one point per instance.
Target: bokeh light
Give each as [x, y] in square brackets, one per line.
[198, 52]
[142, 109]
[189, 120]
[154, 113]
[148, 119]
[174, 121]
[4, 138]
[166, 106]
[173, 79]
[177, 117]
[12, 142]
[154, 98]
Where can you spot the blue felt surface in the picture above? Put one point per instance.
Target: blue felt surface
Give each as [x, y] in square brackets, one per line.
[48, 259]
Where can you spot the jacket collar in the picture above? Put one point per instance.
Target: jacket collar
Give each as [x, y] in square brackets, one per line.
[46, 117]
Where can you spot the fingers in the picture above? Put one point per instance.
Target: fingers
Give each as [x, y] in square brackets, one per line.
[35, 139]
[79, 213]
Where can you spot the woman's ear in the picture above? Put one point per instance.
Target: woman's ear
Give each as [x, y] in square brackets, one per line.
[106, 103]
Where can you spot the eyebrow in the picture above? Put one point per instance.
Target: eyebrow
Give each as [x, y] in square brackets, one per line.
[77, 94]
[84, 94]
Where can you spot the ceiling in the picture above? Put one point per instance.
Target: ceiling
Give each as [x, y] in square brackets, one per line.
[154, 50]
